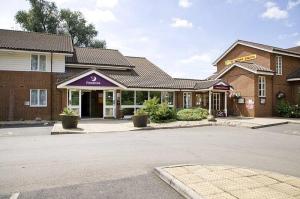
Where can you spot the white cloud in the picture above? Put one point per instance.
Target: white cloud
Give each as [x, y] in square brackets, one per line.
[298, 43]
[144, 39]
[284, 36]
[181, 23]
[292, 4]
[184, 3]
[107, 3]
[274, 12]
[98, 16]
[204, 57]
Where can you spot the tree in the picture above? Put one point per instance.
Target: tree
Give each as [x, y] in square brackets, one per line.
[41, 17]
[98, 44]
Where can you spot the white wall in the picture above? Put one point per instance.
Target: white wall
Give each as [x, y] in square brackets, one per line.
[21, 61]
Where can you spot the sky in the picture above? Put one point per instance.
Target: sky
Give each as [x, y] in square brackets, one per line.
[183, 37]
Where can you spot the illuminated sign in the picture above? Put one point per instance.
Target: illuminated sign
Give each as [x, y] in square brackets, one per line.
[240, 59]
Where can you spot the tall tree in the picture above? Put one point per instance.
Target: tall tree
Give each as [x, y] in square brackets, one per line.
[83, 34]
[43, 16]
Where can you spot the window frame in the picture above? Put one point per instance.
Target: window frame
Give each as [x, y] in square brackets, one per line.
[38, 62]
[38, 99]
[262, 81]
[191, 102]
[278, 65]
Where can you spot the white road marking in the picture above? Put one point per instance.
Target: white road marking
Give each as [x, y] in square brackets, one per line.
[14, 195]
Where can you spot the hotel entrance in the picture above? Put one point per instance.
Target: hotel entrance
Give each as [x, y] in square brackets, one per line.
[91, 104]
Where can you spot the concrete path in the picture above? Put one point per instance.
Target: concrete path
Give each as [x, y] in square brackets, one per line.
[229, 182]
[104, 126]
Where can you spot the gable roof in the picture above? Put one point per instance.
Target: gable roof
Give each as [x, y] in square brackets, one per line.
[294, 49]
[263, 47]
[98, 56]
[249, 66]
[34, 41]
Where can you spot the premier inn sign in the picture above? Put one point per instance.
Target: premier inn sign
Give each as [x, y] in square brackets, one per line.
[92, 80]
[241, 59]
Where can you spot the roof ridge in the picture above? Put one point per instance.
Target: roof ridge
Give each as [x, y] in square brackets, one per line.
[134, 57]
[188, 79]
[33, 32]
[89, 47]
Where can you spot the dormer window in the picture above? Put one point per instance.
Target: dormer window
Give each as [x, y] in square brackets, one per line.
[278, 65]
[38, 62]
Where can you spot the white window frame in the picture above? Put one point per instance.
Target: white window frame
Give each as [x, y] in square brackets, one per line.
[262, 89]
[191, 103]
[38, 64]
[38, 94]
[278, 64]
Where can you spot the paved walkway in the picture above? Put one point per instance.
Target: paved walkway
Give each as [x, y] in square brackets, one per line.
[102, 126]
[228, 182]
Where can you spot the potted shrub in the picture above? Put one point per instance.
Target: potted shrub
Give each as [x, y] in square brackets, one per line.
[140, 118]
[69, 118]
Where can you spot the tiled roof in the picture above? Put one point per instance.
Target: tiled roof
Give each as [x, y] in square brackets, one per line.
[268, 48]
[98, 56]
[295, 74]
[253, 67]
[294, 49]
[144, 75]
[33, 41]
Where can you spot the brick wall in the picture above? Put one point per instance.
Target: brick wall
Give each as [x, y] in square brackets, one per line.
[15, 91]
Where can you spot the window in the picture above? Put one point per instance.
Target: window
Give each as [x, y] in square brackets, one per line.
[278, 65]
[168, 97]
[141, 97]
[199, 100]
[187, 100]
[156, 94]
[127, 97]
[38, 62]
[261, 86]
[38, 97]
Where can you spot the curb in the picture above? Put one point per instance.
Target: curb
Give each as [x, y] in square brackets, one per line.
[268, 125]
[171, 127]
[176, 184]
[21, 125]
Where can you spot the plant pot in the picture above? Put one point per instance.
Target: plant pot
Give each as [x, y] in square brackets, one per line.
[68, 121]
[140, 120]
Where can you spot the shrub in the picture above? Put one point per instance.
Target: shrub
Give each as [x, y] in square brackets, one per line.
[163, 114]
[284, 109]
[158, 112]
[69, 112]
[192, 114]
[140, 112]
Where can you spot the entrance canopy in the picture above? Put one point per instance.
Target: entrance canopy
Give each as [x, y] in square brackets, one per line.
[91, 79]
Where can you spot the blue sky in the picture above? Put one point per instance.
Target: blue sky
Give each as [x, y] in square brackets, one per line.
[183, 37]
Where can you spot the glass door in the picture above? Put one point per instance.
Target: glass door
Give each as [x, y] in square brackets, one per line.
[74, 101]
[217, 101]
[109, 103]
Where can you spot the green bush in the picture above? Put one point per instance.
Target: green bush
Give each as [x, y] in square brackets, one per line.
[140, 112]
[158, 112]
[69, 112]
[163, 114]
[192, 114]
[284, 109]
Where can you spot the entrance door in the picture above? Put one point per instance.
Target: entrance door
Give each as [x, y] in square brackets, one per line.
[109, 103]
[74, 101]
[92, 104]
[86, 104]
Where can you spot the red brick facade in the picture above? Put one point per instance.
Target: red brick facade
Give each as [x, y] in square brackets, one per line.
[15, 92]
[246, 83]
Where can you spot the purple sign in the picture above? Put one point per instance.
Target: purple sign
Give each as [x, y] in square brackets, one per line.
[92, 80]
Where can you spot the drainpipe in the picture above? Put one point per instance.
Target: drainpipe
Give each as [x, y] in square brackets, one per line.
[51, 111]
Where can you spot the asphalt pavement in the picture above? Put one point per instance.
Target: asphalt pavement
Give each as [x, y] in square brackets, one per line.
[120, 165]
